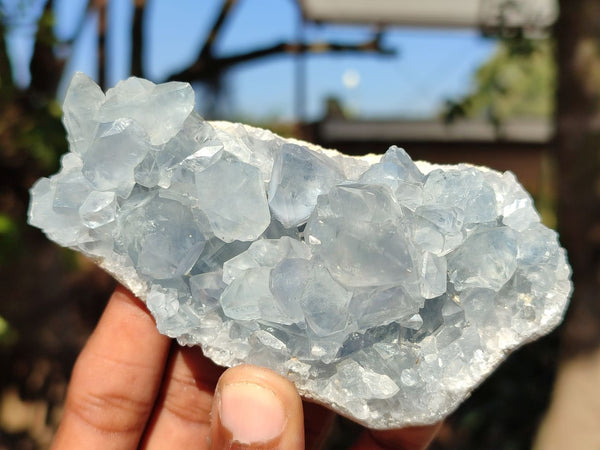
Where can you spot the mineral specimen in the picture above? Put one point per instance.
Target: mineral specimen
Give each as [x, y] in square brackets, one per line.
[382, 288]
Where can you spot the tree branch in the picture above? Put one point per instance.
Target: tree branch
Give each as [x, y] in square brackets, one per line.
[137, 39]
[100, 6]
[207, 48]
[211, 68]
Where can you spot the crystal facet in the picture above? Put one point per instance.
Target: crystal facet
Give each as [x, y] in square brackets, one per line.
[383, 288]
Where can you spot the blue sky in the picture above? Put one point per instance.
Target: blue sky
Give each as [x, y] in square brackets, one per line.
[430, 66]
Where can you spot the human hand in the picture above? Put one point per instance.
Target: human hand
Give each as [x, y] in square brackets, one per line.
[131, 389]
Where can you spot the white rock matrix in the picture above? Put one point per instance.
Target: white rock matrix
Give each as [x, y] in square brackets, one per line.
[382, 288]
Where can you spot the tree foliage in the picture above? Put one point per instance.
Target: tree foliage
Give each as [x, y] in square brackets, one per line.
[518, 81]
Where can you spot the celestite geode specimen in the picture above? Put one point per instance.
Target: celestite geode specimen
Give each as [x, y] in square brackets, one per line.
[384, 289]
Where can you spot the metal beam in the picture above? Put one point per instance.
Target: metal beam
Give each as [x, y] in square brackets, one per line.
[434, 13]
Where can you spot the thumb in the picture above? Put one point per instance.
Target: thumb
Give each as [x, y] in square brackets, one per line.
[254, 407]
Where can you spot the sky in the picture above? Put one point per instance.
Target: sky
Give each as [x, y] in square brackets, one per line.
[430, 66]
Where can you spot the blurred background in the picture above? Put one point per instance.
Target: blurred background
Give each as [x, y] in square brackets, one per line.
[512, 84]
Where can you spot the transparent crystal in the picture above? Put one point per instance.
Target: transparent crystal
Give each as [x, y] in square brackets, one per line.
[385, 288]
[110, 161]
[299, 176]
[231, 193]
[159, 109]
[82, 101]
[99, 208]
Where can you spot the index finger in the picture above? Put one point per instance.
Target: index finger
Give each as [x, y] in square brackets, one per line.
[115, 380]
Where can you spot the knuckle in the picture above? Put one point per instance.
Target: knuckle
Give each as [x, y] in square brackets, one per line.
[187, 401]
[108, 402]
[108, 411]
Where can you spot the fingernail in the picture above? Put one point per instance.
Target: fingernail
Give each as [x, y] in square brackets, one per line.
[252, 413]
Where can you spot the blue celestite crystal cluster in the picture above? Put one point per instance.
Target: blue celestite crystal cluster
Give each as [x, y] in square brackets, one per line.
[382, 288]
